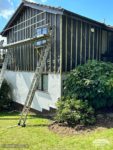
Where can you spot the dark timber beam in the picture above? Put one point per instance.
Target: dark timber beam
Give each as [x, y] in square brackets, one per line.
[29, 40]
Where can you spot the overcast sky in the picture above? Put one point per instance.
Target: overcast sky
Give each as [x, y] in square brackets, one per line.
[99, 10]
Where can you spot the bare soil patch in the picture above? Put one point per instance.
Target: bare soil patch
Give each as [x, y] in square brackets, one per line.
[103, 121]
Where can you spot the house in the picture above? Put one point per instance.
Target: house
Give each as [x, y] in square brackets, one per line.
[75, 39]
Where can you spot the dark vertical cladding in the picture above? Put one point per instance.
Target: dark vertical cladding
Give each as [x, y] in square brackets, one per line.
[95, 45]
[74, 45]
[68, 42]
[78, 42]
[91, 43]
[63, 43]
[83, 43]
[52, 44]
[75, 40]
[87, 42]
[58, 43]
[25, 57]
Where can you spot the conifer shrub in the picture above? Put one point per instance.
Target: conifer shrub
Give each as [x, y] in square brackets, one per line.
[5, 96]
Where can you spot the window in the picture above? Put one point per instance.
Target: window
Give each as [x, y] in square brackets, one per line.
[40, 31]
[40, 42]
[43, 83]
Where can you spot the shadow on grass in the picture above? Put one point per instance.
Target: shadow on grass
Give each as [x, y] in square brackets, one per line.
[5, 118]
[37, 125]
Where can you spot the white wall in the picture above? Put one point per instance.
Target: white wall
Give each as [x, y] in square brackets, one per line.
[3, 38]
[20, 83]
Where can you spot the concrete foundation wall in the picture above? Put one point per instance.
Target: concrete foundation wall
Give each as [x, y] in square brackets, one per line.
[20, 83]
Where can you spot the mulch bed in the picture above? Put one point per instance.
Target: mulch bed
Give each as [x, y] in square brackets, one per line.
[104, 121]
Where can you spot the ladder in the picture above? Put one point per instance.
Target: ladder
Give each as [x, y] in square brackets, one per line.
[4, 66]
[35, 83]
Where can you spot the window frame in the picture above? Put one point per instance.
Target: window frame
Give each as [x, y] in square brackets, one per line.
[41, 85]
[41, 31]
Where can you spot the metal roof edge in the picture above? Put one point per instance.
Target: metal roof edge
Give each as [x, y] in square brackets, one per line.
[67, 12]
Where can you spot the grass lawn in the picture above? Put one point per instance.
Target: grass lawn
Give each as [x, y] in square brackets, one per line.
[36, 136]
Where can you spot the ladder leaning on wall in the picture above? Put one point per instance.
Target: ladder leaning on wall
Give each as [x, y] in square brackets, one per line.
[4, 66]
[35, 81]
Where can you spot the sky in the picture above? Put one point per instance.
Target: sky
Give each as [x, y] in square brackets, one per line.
[100, 10]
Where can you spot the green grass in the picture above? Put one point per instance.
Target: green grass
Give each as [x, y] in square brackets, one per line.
[38, 137]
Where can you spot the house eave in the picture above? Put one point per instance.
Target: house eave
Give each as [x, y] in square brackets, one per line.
[11, 19]
[45, 8]
[72, 14]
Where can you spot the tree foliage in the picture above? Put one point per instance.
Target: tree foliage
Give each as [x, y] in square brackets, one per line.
[92, 81]
[5, 96]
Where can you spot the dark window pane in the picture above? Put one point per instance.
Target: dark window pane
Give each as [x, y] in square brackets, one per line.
[45, 83]
[39, 87]
[44, 31]
[39, 31]
[39, 43]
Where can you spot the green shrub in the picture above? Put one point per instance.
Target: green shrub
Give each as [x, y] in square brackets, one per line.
[5, 96]
[73, 112]
[92, 81]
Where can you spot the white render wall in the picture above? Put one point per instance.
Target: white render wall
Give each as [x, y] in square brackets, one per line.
[20, 83]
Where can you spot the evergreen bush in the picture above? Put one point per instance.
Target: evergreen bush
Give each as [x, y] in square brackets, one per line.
[5, 96]
[73, 112]
[92, 81]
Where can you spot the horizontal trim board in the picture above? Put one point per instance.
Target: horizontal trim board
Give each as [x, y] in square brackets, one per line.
[43, 36]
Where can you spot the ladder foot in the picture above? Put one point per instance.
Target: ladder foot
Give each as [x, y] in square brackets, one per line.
[19, 124]
[24, 125]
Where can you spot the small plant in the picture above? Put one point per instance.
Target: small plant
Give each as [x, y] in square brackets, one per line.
[74, 111]
[5, 96]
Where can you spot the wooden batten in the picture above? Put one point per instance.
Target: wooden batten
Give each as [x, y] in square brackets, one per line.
[100, 43]
[71, 58]
[50, 53]
[66, 46]
[81, 43]
[55, 24]
[61, 44]
[29, 40]
[93, 43]
[76, 59]
[89, 41]
[85, 37]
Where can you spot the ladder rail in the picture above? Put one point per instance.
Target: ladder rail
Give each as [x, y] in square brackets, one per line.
[34, 84]
[4, 67]
[31, 94]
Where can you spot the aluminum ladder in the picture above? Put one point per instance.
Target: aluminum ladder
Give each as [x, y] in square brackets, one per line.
[35, 83]
[4, 66]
